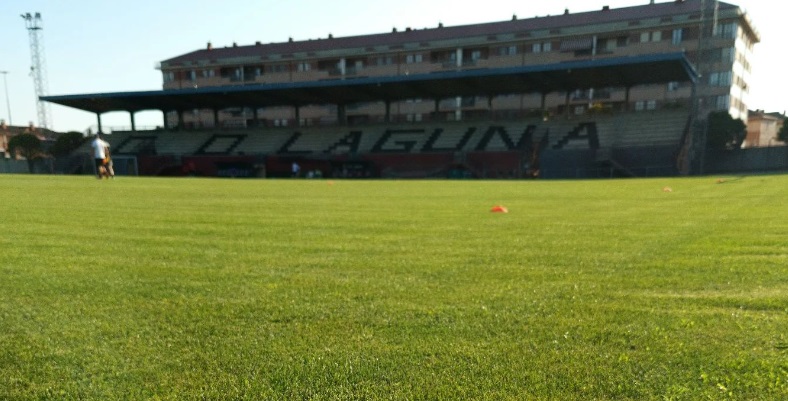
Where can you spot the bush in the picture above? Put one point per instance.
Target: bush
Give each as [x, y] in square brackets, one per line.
[27, 146]
[67, 143]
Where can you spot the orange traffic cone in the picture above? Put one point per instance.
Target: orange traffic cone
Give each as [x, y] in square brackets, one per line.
[499, 209]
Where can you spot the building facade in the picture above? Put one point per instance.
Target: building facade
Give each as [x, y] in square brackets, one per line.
[718, 39]
[763, 129]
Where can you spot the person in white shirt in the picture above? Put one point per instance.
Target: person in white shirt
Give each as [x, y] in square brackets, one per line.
[296, 169]
[100, 154]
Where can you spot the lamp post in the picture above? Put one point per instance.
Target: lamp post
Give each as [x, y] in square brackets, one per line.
[7, 102]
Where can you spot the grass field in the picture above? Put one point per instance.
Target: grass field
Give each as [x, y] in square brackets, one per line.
[188, 289]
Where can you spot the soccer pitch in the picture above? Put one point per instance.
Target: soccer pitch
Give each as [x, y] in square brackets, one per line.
[165, 289]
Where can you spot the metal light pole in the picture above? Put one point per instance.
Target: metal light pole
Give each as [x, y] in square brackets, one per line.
[7, 102]
[34, 25]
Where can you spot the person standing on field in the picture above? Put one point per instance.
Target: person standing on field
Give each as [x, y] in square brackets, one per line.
[296, 169]
[100, 154]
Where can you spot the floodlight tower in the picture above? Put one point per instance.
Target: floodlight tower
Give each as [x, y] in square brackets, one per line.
[38, 68]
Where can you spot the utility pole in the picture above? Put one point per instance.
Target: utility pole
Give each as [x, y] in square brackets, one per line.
[7, 100]
[35, 27]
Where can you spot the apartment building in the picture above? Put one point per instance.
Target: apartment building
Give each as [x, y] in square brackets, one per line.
[716, 37]
[763, 129]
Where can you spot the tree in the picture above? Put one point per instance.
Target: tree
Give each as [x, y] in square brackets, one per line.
[67, 143]
[725, 132]
[27, 146]
[783, 134]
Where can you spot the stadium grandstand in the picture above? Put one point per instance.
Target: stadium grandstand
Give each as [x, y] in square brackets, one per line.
[607, 93]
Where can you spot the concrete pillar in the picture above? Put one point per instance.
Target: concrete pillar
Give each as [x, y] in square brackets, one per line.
[133, 122]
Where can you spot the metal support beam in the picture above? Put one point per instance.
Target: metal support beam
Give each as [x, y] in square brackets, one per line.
[133, 122]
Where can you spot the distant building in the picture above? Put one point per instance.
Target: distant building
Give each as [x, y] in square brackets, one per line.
[723, 61]
[762, 129]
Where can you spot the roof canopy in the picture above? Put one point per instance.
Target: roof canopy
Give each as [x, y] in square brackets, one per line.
[566, 76]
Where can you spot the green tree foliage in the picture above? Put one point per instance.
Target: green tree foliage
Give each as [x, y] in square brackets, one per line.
[67, 143]
[27, 146]
[783, 134]
[725, 132]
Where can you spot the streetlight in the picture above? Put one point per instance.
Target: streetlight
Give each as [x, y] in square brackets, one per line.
[7, 102]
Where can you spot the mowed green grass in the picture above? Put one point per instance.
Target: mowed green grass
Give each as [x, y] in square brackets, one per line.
[184, 289]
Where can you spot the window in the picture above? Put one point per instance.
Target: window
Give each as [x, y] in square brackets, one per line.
[413, 58]
[581, 94]
[622, 41]
[654, 36]
[727, 31]
[728, 54]
[507, 51]
[303, 67]
[722, 102]
[277, 68]
[642, 105]
[192, 75]
[673, 86]
[169, 76]
[543, 47]
[678, 36]
[721, 78]
[208, 73]
[384, 60]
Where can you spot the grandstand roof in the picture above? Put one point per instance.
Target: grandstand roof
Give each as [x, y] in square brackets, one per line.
[601, 73]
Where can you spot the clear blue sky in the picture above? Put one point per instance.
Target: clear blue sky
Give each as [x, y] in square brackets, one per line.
[98, 46]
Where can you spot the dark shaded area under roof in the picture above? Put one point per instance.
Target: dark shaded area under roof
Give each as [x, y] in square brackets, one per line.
[566, 76]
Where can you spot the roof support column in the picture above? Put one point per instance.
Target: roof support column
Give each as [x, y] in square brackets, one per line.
[256, 117]
[166, 123]
[180, 119]
[387, 118]
[626, 98]
[490, 107]
[215, 118]
[98, 117]
[437, 109]
[133, 122]
[566, 104]
[297, 109]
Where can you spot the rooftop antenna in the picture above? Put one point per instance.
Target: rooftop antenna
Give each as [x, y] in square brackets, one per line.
[35, 27]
